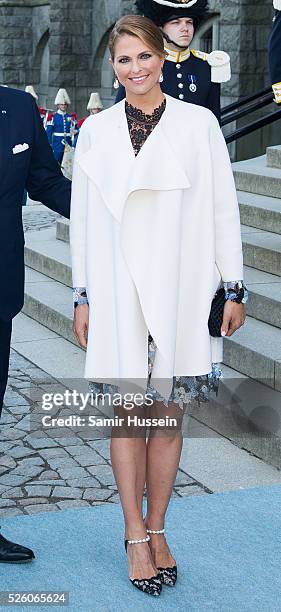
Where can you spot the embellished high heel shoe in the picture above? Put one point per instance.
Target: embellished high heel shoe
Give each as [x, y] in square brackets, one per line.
[151, 586]
[168, 575]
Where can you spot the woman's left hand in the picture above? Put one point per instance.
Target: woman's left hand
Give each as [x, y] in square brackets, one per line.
[234, 316]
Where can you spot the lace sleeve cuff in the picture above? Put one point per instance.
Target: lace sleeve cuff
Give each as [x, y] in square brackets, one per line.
[79, 296]
[236, 291]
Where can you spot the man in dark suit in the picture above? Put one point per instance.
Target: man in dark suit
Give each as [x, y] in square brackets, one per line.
[26, 162]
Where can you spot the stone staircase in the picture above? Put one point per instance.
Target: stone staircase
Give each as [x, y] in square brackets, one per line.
[255, 349]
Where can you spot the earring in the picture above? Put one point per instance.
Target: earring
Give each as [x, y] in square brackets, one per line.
[116, 83]
[161, 78]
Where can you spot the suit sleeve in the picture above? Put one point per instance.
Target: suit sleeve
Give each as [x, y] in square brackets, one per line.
[229, 257]
[214, 100]
[45, 181]
[121, 93]
[78, 212]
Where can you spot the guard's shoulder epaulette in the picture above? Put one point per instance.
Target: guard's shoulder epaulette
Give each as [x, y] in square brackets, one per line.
[200, 54]
[220, 66]
[219, 62]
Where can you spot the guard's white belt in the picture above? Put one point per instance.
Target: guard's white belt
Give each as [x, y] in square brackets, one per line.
[60, 134]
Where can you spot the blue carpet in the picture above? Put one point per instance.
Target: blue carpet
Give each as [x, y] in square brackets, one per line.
[227, 546]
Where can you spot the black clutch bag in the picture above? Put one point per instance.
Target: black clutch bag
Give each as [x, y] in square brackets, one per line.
[216, 313]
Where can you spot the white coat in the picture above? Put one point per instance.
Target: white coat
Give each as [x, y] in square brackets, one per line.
[151, 239]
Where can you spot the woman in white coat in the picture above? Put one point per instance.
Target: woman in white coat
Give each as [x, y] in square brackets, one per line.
[154, 231]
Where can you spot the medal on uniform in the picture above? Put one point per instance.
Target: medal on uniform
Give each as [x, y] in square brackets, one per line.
[191, 80]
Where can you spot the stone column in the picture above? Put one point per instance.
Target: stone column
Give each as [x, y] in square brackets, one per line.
[70, 50]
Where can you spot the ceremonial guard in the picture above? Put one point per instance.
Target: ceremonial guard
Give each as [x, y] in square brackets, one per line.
[188, 74]
[62, 126]
[95, 105]
[275, 52]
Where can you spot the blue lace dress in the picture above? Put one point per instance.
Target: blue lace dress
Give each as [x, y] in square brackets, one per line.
[185, 388]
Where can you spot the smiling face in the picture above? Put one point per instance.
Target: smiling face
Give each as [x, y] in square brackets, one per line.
[136, 66]
[63, 107]
[180, 31]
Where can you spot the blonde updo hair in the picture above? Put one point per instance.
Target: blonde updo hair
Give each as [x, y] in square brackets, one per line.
[140, 27]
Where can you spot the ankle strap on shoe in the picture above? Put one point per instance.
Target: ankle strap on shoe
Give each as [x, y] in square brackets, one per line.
[139, 541]
[156, 530]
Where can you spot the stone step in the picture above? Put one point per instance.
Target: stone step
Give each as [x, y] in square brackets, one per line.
[62, 229]
[262, 212]
[49, 302]
[259, 211]
[264, 301]
[49, 256]
[261, 249]
[273, 156]
[255, 350]
[61, 359]
[253, 175]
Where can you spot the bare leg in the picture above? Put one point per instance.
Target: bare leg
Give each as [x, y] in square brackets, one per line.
[128, 458]
[162, 460]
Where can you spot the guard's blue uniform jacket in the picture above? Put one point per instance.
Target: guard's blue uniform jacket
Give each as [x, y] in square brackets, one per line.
[187, 76]
[59, 132]
[275, 56]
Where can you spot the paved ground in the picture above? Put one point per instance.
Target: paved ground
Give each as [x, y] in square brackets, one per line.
[38, 217]
[40, 473]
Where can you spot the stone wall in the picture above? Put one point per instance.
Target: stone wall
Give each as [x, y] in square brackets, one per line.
[63, 43]
[70, 47]
[244, 27]
[79, 31]
[23, 25]
[15, 43]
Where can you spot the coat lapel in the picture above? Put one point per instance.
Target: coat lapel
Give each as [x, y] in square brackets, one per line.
[117, 172]
[5, 153]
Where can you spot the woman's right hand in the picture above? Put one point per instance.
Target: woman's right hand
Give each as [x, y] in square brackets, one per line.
[81, 324]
